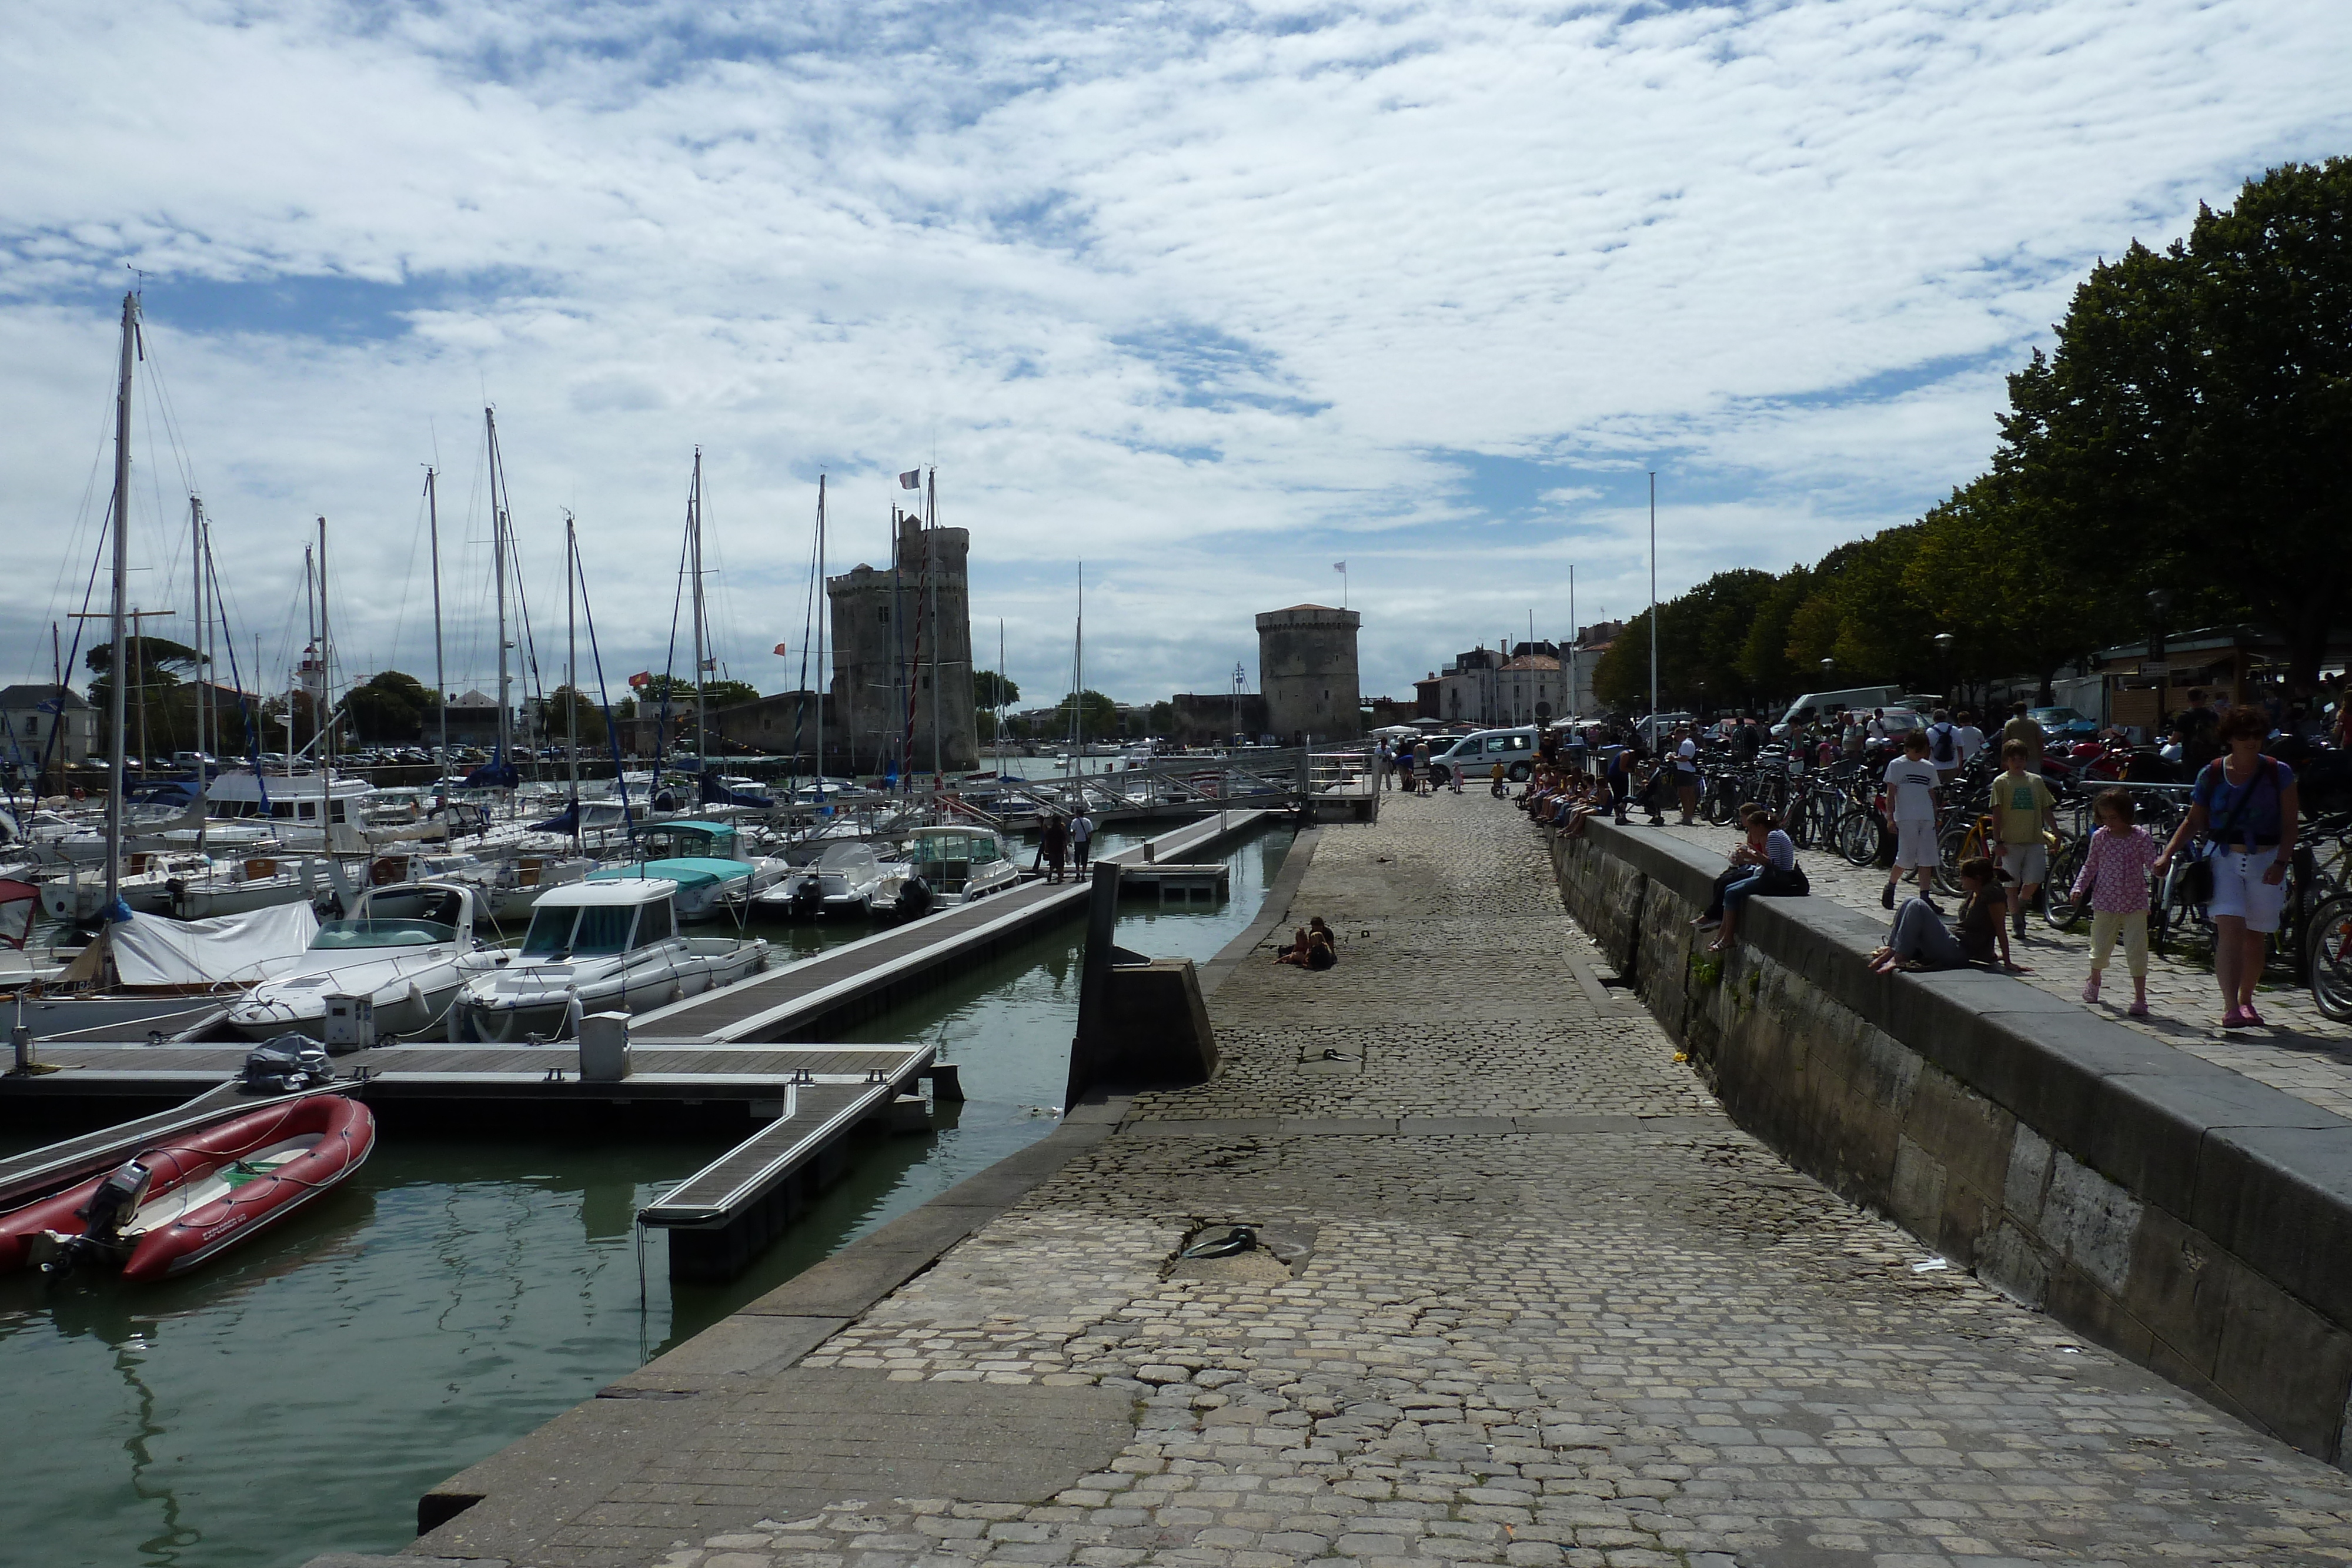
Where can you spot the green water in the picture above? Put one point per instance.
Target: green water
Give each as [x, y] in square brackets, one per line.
[295, 1397]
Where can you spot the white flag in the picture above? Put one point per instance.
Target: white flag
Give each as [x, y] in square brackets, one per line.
[1338, 566]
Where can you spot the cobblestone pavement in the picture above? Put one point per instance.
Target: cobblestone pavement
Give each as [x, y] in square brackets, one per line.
[2300, 1051]
[1577, 1317]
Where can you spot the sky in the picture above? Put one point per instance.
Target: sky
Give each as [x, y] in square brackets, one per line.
[1207, 298]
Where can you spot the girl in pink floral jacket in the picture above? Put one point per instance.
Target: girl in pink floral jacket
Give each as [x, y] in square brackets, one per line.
[2115, 865]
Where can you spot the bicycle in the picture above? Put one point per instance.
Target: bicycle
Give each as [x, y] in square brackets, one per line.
[2327, 958]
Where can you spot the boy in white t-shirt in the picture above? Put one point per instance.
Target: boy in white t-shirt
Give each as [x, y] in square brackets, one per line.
[1911, 781]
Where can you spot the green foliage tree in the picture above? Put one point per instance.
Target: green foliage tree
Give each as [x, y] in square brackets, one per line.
[388, 707]
[1101, 715]
[2192, 428]
[564, 707]
[991, 690]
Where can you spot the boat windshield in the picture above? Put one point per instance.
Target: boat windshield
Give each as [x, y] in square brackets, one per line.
[383, 933]
[599, 931]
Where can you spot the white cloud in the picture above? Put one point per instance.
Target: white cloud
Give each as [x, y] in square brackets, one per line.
[1181, 291]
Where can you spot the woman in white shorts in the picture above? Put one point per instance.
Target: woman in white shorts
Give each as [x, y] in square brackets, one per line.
[2246, 803]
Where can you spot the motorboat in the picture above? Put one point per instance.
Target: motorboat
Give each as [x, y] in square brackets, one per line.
[845, 880]
[240, 887]
[599, 947]
[393, 967]
[21, 963]
[505, 887]
[146, 884]
[943, 867]
[707, 862]
[175, 1206]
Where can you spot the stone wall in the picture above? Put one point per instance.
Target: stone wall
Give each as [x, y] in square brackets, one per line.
[2186, 1216]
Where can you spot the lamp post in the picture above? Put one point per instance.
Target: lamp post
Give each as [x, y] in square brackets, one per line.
[1944, 641]
[2159, 600]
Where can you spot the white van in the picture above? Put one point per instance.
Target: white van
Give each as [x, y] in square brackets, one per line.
[1821, 705]
[1476, 755]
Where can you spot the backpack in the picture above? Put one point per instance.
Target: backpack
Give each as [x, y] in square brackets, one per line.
[1943, 749]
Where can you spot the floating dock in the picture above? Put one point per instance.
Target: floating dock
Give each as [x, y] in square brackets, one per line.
[820, 994]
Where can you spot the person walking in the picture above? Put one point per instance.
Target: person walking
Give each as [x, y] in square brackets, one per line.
[1911, 784]
[1082, 835]
[1944, 745]
[1970, 740]
[1619, 776]
[1387, 763]
[1686, 776]
[2247, 807]
[2115, 877]
[1497, 775]
[1420, 763]
[2022, 806]
[1054, 845]
[2024, 732]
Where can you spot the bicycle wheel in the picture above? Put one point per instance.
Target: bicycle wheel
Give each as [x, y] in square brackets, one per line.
[1952, 848]
[2058, 907]
[2327, 950]
[1858, 838]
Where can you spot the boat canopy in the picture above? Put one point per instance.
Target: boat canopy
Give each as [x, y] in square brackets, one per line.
[150, 950]
[688, 840]
[686, 870]
[615, 886]
[18, 902]
[847, 858]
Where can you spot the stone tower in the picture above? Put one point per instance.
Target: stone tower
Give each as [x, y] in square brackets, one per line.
[1306, 669]
[884, 628]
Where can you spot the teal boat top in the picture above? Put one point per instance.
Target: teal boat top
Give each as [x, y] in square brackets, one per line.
[686, 871]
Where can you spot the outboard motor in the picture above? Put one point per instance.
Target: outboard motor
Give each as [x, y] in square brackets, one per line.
[290, 1063]
[111, 1207]
[914, 899]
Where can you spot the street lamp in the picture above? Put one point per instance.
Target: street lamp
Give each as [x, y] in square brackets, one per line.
[1944, 641]
[2159, 600]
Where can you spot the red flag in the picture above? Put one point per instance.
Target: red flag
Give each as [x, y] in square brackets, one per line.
[642, 679]
[780, 650]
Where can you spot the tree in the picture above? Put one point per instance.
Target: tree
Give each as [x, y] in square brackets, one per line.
[562, 708]
[1993, 570]
[991, 690]
[2192, 429]
[1163, 718]
[716, 694]
[1101, 715]
[388, 707]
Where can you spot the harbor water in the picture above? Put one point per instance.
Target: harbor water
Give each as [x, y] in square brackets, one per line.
[298, 1395]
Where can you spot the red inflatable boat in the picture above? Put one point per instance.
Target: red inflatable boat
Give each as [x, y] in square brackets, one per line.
[180, 1203]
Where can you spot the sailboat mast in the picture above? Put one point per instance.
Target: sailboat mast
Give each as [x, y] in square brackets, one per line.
[203, 686]
[440, 677]
[570, 667]
[326, 706]
[930, 574]
[499, 581]
[120, 666]
[694, 550]
[824, 604]
[1078, 680]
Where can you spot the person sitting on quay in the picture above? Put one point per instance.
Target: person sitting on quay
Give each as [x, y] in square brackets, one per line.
[1777, 876]
[2115, 865]
[1919, 941]
[1320, 953]
[1745, 859]
[1315, 928]
[1297, 952]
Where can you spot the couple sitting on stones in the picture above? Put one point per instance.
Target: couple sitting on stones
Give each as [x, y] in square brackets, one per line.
[1314, 948]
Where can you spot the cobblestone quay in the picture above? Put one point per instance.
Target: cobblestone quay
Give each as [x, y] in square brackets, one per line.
[1530, 1299]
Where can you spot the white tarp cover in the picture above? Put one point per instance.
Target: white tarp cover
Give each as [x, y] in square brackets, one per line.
[231, 949]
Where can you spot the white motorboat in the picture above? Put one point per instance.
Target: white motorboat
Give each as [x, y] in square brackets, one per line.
[705, 862]
[241, 887]
[599, 947]
[943, 867]
[404, 950]
[79, 897]
[506, 888]
[845, 880]
[150, 976]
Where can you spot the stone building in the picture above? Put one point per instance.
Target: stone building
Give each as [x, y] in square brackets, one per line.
[1217, 719]
[46, 722]
[884, 628]
[1306, 670]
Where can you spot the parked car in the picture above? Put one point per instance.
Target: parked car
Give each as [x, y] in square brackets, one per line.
[2064, 723]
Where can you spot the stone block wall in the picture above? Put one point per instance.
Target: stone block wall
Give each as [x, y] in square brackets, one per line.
[2186, 1216]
